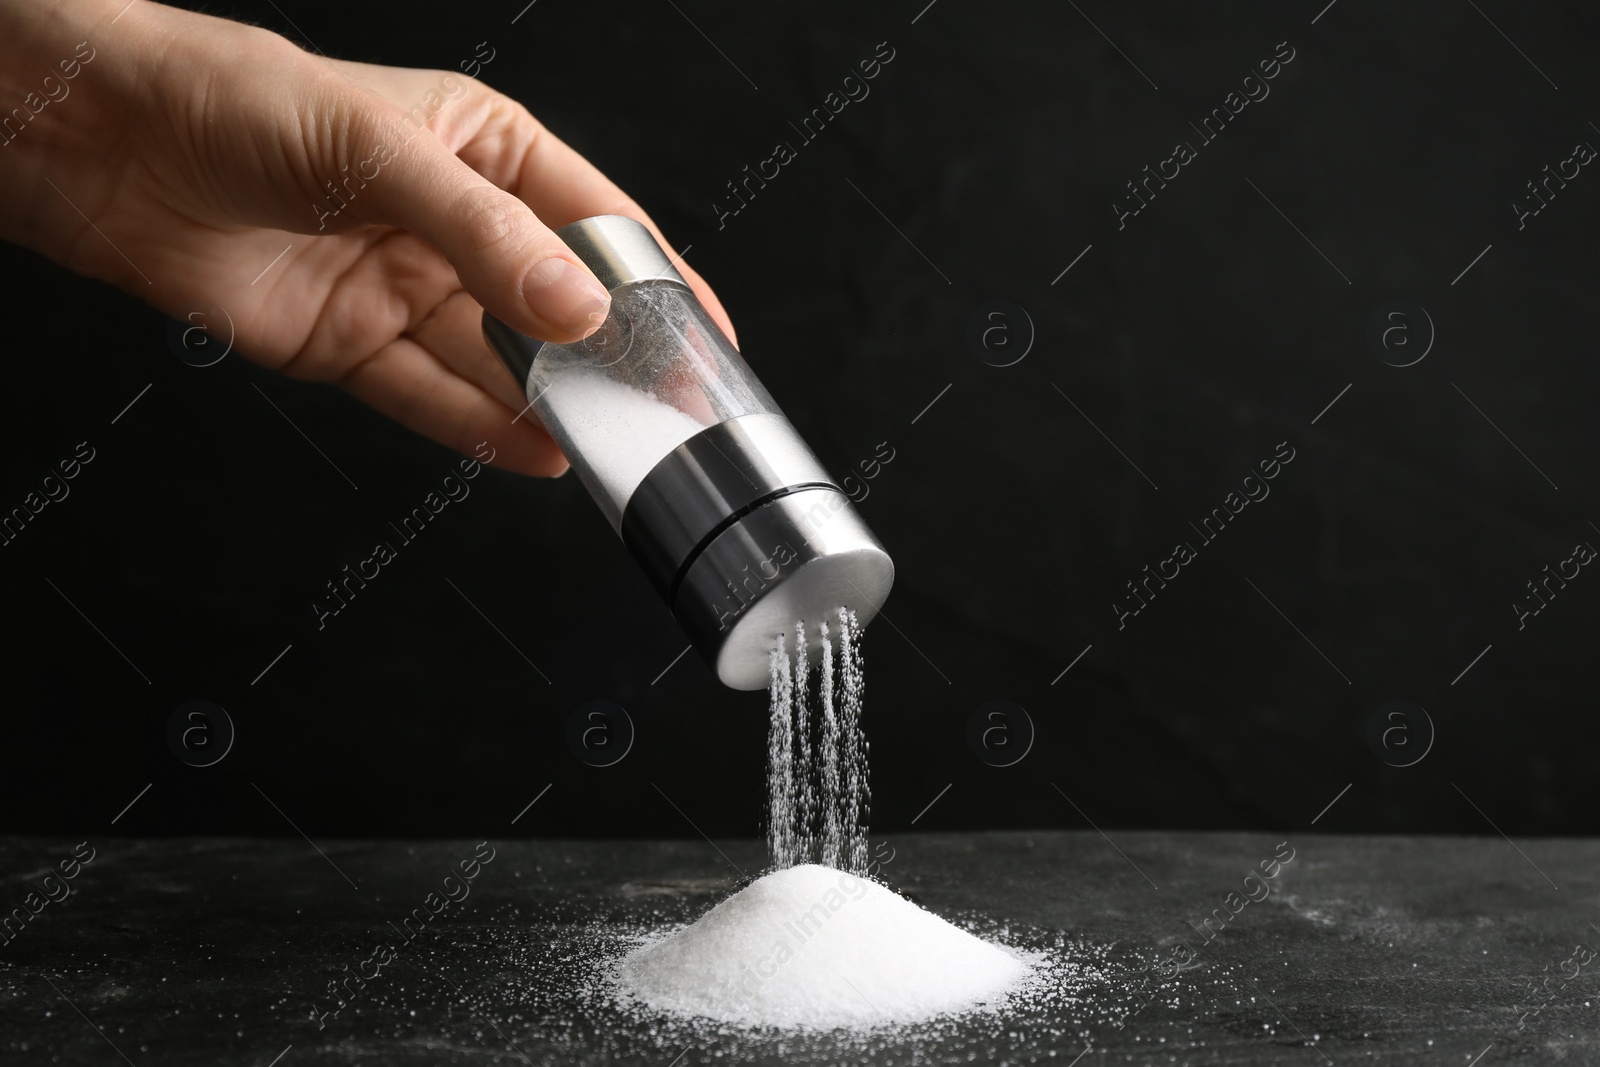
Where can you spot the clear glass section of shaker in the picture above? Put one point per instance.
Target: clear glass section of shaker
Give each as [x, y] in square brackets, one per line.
[655, 374]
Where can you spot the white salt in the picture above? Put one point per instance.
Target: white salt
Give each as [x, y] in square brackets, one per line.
[811, 947]
[856, 795]
[782, 819]
[817, 792]
[620, 431]
[814, 946]
[804, 801]
[832, 829]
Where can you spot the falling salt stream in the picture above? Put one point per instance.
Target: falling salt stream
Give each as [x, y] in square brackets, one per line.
[780, 763]
[817, 792]
[802, 796]
[816, 943]
[857, 795]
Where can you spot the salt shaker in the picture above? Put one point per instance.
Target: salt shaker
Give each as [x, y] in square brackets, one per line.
[716, 495]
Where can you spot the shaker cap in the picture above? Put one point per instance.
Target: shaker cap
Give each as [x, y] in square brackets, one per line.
[619, 250]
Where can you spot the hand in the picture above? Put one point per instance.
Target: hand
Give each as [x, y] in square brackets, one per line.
[186, 152]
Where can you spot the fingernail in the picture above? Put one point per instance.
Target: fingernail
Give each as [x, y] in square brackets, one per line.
[566, 296]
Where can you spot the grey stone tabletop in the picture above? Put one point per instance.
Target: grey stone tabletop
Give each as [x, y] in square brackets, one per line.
[1161, 948]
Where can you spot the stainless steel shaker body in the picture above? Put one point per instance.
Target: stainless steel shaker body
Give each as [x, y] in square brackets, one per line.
[730, 514]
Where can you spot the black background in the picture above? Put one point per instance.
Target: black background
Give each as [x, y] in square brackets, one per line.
[1197, 338]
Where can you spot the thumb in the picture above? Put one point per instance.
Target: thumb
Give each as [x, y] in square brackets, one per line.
[511, 262]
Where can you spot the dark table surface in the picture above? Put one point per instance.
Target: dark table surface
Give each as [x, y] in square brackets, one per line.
[1368, 950]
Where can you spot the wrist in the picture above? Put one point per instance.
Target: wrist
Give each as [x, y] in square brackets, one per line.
[58, 106]
[46, 53]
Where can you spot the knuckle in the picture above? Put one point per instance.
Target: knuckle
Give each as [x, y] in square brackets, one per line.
[491, 219]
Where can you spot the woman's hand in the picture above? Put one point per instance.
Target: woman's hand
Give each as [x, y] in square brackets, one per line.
[186, 153]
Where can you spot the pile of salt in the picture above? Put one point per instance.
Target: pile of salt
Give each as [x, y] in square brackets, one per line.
[811, 947]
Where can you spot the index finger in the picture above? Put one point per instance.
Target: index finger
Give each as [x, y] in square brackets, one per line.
[561, 186]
